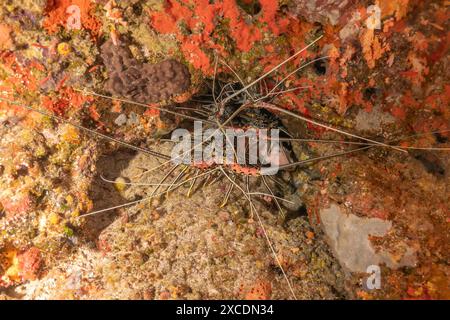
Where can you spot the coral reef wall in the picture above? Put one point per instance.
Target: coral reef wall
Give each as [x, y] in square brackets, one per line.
[385, 75]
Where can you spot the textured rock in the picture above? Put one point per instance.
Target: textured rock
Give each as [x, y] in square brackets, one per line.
[321, 10]
[372, 121]
[143, 83]
[30, 263]
[348, 236]
[5, 37]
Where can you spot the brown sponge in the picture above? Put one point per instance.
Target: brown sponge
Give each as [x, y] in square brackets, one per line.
[143, 83]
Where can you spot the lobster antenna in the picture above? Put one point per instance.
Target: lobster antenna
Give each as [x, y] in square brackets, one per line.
[293, 72]
[90, 131]
[294, 164]
[269, 242]
[142, 105]
[292, 114]
[143, 199]
[270, 71]
[298, 163]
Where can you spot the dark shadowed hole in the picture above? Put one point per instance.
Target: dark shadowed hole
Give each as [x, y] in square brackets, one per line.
[440, 138]
[320, 67]
[431, 162]
[291, 215]
[252, 7]
[21, 171]
[137, 9]
[369, 93]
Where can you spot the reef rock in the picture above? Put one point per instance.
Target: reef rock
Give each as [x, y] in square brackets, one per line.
[143, 83]
[348, 236]
[323, 11]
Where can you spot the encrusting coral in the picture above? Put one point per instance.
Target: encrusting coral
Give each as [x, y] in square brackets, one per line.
[143, 83]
